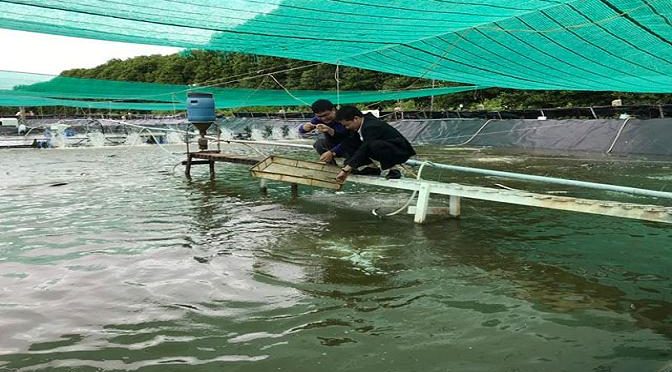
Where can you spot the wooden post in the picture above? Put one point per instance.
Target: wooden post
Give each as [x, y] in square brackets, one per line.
[212, 169]
[263, 186]
[454, 206]
[219, 138]
[423, 203]
[187, 168]
[295, 191]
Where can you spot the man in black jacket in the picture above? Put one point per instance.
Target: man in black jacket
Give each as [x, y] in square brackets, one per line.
[380, 141]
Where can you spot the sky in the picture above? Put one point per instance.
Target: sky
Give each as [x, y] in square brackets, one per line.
[51, 54]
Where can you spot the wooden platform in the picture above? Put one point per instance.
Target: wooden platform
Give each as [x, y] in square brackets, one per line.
[310, 173]
[228, 158]
[210, 157]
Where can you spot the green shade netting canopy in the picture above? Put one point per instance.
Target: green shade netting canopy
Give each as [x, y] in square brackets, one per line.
[25, 89]
[616, 45]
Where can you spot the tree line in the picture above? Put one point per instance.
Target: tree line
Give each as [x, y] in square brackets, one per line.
[236, 70]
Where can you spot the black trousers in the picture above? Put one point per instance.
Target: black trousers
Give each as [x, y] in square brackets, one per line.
[325, 143]
[388, 152]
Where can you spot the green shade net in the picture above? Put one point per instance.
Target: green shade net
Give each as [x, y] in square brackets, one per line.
[25, 89]
[616, 45]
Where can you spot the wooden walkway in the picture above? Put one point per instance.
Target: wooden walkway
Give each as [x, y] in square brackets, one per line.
[211, 157]
[456, 192]
[283, 172]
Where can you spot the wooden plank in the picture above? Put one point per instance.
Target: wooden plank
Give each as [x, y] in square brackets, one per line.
[195, 162]
[227, 158]
[297, 171]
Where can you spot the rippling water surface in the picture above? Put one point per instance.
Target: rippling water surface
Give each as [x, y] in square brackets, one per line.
[109, 261]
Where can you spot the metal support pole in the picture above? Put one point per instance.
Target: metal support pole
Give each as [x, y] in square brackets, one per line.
[454, 206]
[212, 169]
[423, 204]
[22, 115]
[186, 138]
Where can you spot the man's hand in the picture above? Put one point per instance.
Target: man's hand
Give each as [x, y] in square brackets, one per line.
[308, 127]
[342, 175]
[325, 129]
[327, 156]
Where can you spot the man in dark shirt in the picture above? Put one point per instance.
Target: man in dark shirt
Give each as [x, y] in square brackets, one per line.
[379, 141]
[332, 134]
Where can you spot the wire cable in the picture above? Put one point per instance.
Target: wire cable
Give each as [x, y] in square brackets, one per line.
[288, 92]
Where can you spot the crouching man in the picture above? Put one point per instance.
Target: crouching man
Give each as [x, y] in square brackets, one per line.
[379, 141]
[331, 132]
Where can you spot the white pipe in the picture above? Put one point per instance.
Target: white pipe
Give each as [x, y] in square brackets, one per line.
[267, 143]
[559, 181]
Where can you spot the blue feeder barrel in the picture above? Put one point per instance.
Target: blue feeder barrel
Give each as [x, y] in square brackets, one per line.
[200, 108]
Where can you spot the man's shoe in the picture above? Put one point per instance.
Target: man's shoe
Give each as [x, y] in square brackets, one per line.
[393, 174]
[367, 171]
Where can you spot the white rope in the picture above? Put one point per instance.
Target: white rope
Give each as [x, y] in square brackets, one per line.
[244, 102]
[473, 136]
[408, 202]
[175, 166]
[618, 135]
[255, 149]
[143, 129]
[156, 142]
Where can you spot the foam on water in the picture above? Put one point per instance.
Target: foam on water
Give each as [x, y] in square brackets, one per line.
[133, 139]
[174, 137]
[96, 139]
